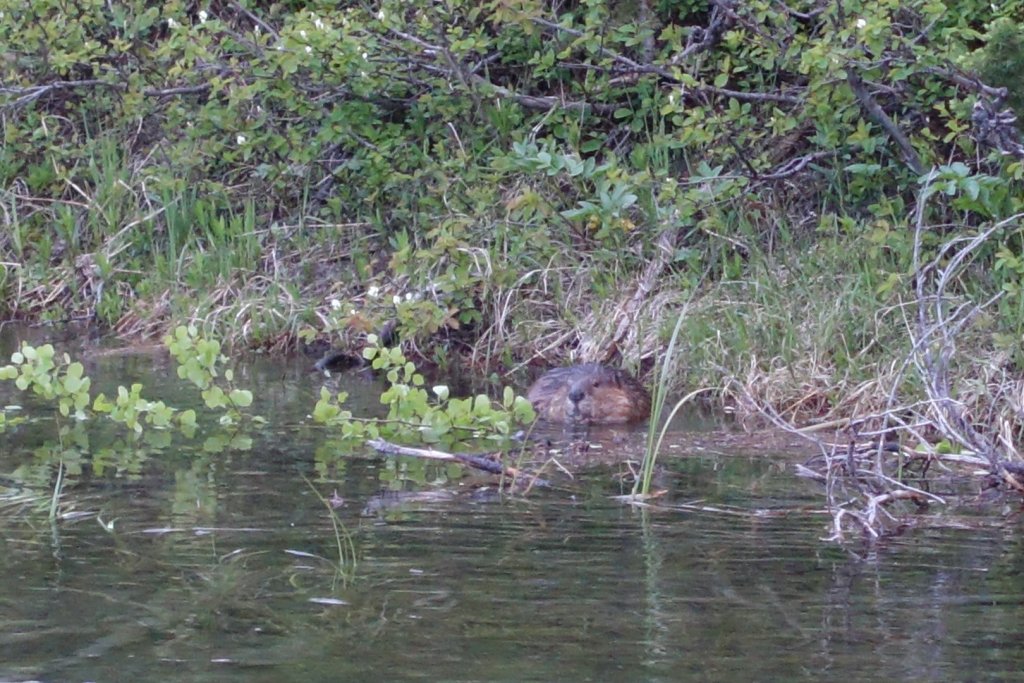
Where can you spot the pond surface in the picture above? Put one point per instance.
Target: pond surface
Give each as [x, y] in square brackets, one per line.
[215, 558]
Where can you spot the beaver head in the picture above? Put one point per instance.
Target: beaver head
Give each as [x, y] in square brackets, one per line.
[591, 393]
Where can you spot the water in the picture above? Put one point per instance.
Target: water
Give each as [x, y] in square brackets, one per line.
[178, 561]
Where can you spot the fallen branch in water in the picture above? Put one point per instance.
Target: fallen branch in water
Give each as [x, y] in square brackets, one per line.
[481, 461]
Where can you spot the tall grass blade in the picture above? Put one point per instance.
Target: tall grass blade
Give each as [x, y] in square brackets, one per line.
[642, 486]
[57, 488]
[346, 566]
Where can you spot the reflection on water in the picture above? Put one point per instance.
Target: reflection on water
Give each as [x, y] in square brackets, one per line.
[195, 564]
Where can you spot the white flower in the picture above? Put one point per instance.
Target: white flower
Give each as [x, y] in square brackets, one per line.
[240, 139]
[441, 391]
[363, 74]
[308, 49]
[203, 16]
[861, 23]
[302, 33]
[335, 304]
[396, 299]
[380, 14]
[171, 23]
[373, 292]
[366, 57]
[256, 29]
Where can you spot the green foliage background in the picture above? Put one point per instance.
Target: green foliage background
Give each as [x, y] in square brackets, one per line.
[500, 174]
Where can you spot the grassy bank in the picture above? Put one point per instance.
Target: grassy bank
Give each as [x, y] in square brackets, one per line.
[808, 329]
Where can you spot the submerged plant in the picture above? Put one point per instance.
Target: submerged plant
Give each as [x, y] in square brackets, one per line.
[199, 361]
[53, 378]
[57, 378]
[129, 408]
[416, 415]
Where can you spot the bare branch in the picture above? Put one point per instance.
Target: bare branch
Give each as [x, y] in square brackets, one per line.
[878, 115]
[970, 82]
[709, 38]
[255, 19]
[28, 94]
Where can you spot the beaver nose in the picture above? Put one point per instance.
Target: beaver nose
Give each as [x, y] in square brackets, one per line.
[576, 395]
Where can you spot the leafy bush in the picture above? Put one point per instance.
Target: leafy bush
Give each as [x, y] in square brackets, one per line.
[275, 158]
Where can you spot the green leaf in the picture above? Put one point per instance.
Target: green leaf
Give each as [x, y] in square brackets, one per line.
[481, 404]
[214, 397]
[241, 397]
[72, 384]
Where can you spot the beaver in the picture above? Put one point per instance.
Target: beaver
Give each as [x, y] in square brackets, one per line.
[590, 392]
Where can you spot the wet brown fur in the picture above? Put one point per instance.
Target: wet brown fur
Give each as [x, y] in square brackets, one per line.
[590, 393]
